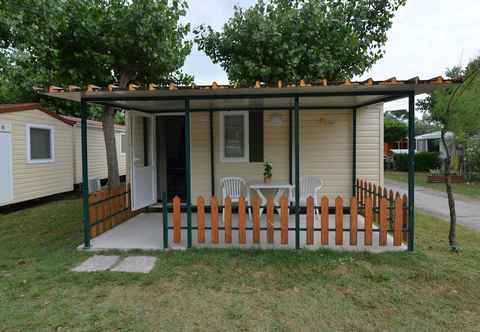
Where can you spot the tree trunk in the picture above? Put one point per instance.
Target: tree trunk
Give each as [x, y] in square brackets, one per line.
[108, 120]
[452, 234]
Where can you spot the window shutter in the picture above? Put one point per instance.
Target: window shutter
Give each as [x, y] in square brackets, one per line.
[255, 131]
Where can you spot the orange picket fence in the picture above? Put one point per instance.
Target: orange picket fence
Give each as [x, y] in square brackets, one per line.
[381, 212]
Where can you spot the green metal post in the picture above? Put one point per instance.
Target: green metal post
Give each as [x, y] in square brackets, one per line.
[86, 214]
[165, 219]
[290, 148]
[188, 172]
[354, 151]
[297, 172]
[212, 156]
[411, 172]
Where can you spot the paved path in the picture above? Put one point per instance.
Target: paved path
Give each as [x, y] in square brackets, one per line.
[436, 203]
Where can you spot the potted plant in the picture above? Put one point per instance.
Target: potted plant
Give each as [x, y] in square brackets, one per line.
[267, 171]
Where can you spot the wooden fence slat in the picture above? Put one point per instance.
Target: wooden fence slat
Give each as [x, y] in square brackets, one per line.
[324, 221]
[310, 218]
[397, 227]
[368, 221]
[227, 222]
[201, 219]
[391, 207]
[379, 198]
[339, 221]
[108, 210]
[375, 202]
[118, 205]
[92, 211]
[242, 220]
[284, 215]
[405, 217]
[177, 220]
[113, 205]
[129, 201]
[270, 219]
[108, 207]
[353, 221]
[362, 192]
[256, 220]
[214, 219]
[383, 222]
[103, 213]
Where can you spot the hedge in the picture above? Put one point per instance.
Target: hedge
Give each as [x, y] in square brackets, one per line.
[424, 161]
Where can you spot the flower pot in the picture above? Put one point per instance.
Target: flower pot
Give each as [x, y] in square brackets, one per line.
[267, 179]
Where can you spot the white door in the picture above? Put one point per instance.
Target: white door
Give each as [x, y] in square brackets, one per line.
[6, 181]
[144, 185]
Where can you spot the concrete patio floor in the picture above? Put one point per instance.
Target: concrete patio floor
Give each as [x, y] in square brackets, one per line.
[145, 232]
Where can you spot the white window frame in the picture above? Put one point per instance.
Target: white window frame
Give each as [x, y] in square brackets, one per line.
[246, 157]
[126, 144]
[52, 144]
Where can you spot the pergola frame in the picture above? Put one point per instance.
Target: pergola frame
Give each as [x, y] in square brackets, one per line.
[294, 113]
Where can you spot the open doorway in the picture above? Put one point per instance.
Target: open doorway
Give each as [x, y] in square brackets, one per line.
[171, 163]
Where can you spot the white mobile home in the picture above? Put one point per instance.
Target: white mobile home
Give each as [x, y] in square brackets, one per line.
[41, 153]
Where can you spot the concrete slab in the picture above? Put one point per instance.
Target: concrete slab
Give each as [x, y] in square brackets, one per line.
[97, 263]
[136, 264]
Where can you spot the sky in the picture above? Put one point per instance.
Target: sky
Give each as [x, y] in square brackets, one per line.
[426, 37]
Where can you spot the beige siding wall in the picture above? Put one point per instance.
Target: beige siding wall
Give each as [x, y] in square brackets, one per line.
[200, 150]
[97, 157]
[325, 148]
[370, 144]
[40, 179]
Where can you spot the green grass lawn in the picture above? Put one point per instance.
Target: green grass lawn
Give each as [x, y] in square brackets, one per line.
[218, 290]
[471, 189]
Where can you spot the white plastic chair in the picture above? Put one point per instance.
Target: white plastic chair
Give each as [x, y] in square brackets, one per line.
[234, 187]
[310, 186]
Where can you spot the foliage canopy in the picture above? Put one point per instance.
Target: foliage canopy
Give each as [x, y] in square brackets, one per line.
[394, 130]
[100, 42]
[300, 39]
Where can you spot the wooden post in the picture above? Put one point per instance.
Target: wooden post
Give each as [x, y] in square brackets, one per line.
[228, 219]
[324, 222]
[284, 219]
[270, 220]
[391, 206]
[177, 220]
[92, 199]
[256, 220]
[368, 221]
[383, 222]
[310, 218]
[242, 220]
[339, 221]
[201, 219]
[353, 221]
[214, 219]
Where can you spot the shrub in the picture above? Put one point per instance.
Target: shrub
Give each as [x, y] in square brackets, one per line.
[424, 161]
